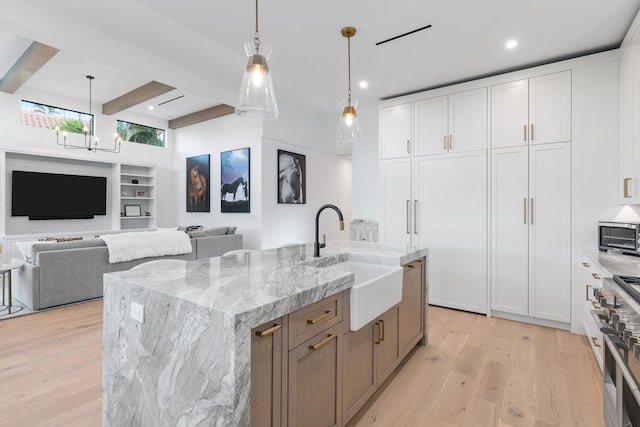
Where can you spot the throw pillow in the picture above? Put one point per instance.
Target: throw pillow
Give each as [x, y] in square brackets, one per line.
[204, 232]
[232, 230]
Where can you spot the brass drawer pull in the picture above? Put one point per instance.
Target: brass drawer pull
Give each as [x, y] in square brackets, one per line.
[269, 331]
[596, 276]
[586, 264]
[595, 342]
[596, 305]
[322, 343]
[327, 314]
[587, 289]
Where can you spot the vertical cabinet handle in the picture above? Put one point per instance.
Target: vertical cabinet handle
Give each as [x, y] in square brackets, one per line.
[450, 141]
[531, 216]
[531, 132]
[587, 292]
[524, 133]
[626, 182]
[407, 210]
[444, 143]
[415, 217]
[408, 146]
[524, 210]
[381, 330]
[379, 339]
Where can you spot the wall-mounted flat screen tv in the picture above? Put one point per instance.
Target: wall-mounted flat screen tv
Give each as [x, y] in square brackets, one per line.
[56, 196]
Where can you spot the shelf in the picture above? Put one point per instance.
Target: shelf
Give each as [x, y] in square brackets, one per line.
[136, 198]
[136, 217]
[124, 184]
[136, 175]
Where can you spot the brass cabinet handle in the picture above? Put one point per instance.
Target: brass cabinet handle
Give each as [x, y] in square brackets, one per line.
[595, 305]
[444, 143]
[587, 292]
[269, 331]
[382, 330]
[531, 132]
[415, 217]
[596, 276]
[450, 141]
[408, 146]
[327, 314]
[322, 343]
[407, 209]
[595, 342]
[525, 211]
[626, 182]
[586, 264]
[379, 339]
[524, 134]
[531, 211]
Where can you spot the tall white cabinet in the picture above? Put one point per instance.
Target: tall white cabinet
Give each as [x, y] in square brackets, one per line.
[433, 173]
[531, 231]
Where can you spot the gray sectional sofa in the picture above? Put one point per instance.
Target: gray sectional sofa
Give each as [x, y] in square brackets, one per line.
[67, 272]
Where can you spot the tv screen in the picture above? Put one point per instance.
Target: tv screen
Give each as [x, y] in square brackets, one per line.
[57, 196]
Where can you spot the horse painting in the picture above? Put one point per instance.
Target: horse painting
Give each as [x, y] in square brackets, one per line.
[291, 178]
[233, 189]
[197, 190]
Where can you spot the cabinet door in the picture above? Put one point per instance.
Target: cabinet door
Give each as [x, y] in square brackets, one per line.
[431, 126]
[411, 308]
[550, 232]
[468, 120]
[266, 374]
[395, 131]
[359, 368]
[628, 181]
[509, 230]
[387, 344]
[315, 381]
[509, 114]
[451, 196]
[395, 221]
[550, 108]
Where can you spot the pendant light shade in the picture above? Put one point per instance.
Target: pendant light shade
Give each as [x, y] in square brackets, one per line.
[256, 98]
[349, 131]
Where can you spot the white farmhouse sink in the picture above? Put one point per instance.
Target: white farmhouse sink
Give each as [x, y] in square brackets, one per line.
[376, 289]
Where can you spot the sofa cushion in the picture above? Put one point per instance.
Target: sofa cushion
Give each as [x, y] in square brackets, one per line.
[211, 231]
[57, 246]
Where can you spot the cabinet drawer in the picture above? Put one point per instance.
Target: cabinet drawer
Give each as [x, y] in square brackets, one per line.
[315, 318]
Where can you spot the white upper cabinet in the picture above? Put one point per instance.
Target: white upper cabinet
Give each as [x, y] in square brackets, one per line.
[395, 131]
[629, 133]
[531, 111]
[452, 123]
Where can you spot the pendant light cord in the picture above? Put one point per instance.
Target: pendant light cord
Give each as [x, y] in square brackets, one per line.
[348, 66]
[256, 38]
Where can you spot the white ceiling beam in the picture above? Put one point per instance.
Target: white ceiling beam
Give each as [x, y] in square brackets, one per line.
[33, 58]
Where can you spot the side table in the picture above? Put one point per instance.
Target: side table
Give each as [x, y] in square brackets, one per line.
[5, 271]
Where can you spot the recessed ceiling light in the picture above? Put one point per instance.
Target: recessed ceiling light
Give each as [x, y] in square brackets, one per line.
[363, 84]
[511, 44]
[150, 107]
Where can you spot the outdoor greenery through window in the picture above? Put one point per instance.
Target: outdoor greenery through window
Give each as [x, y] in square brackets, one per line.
[46, 116]
[142, 134]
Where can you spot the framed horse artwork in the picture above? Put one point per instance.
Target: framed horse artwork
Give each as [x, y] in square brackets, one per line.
[198, 195]
[292, 175]
[234, 181]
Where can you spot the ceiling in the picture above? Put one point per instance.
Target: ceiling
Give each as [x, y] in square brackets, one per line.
[196, 46]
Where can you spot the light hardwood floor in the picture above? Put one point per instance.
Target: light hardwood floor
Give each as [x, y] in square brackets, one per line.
[475, 371]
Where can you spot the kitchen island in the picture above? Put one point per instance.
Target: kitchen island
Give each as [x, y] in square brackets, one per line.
[186, 361]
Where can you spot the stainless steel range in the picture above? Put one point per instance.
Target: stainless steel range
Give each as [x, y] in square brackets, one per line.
[619, 321]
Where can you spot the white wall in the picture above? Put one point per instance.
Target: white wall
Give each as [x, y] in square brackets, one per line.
[594, 163]
[213, 137]
[16, 137]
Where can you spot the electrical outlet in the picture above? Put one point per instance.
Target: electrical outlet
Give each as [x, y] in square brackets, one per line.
[137, 312]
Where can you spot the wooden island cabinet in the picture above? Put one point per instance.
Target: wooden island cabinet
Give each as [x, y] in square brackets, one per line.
[309, 369]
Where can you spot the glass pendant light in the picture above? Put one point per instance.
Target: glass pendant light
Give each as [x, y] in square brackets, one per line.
[256, 98]
[349, 132]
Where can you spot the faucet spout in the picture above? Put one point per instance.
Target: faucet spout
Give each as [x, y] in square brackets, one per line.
[316, 244]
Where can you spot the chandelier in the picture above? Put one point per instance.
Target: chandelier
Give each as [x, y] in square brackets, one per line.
[90, 143]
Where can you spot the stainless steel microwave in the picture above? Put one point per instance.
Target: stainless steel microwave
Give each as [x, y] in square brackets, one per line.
[623, 237]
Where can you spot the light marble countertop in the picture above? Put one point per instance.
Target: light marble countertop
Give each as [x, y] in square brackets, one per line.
[614, 263]
[188, 363]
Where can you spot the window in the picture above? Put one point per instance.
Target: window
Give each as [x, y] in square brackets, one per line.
[142, 134]
[46, 116]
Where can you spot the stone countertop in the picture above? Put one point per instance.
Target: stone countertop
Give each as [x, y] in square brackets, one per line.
[614, 263]
[188, 360]
[273, 282]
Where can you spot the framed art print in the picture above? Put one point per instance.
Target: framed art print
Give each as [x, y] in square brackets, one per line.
[198, 194]
[234, 180]
[292, 174]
